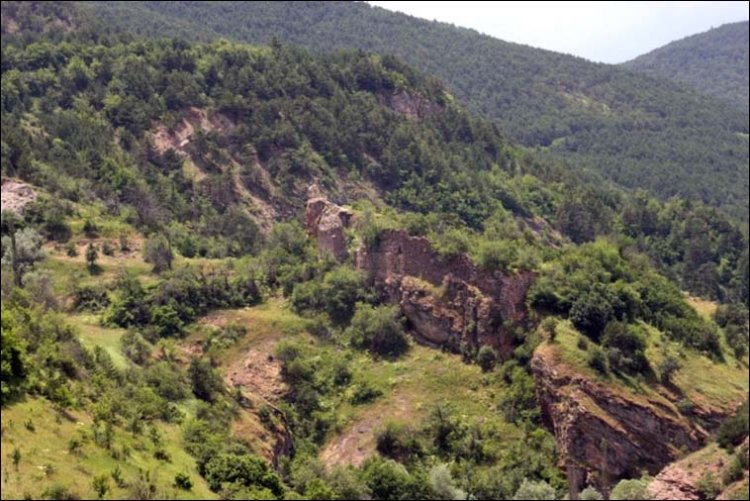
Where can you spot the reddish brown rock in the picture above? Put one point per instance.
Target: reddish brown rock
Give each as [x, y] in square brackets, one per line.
[603, 433]
[325, 222]
[447, 301]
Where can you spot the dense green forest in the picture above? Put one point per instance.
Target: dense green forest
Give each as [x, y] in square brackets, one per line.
[139, 272]
[714, 63]
[637, 131]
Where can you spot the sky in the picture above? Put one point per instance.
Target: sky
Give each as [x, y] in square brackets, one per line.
[608, 32]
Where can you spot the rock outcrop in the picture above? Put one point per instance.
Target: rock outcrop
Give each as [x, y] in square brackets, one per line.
[605, 433]
[448, 301]
[325, 222]
[412, 106]
[16, 195]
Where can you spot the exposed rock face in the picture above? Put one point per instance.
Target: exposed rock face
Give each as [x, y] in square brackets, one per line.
[447, 301]
[680, 480]
[603, 433]
[326, 222]
[16, 195]
[413, 107]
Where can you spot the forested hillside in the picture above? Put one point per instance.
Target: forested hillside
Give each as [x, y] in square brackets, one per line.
[715, 63]
[255, 272]
[636, 131]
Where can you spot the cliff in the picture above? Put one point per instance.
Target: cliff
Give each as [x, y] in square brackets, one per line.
[606, 433]
[448, 301]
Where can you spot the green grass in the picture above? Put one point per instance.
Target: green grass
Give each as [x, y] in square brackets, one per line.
[46, 460]
[720, 385]
[92, 333]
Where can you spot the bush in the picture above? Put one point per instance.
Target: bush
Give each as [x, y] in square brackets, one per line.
[398, 442]
[206, 382]
[182, 481]
[534, 490]
[496, 254]
[598, 361]
[734, 428]
[590, 494]
[245, 470]
[388, 479]
[364, 393]
[378, 330]
[487, 358]
[630, 490]
[591, 312]
[734, 471]
[668, 366]
[158, 251]
[628, 345]
[708, 487]
[549, 327]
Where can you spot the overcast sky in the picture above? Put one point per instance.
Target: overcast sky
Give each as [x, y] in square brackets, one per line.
[610, 32]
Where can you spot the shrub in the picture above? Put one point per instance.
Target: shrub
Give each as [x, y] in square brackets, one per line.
[398, 442]
[364, 393]
[549, 327]
[668, 366]
[107, 248]
[245, 470]
[630, 490]
[378, 330]
[182, 481]
[708, 486]
[630, 346]
[598, 361]
[591, 312]
[734, 470]
[734, 428]
[158, 251]
[206, 382]
[535, 490]
[91, 256]
[590, 494]
[70, 249]
[487, 358]
[100, 484]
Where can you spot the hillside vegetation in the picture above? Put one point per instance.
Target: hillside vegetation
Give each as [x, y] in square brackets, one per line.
[605, 121]
[170, 330]
[714, 63]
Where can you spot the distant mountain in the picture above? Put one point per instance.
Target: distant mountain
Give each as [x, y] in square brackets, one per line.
[601, 119]
[714, 63]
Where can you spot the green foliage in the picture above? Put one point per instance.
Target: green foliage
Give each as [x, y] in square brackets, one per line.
[336, 293]
[244, 470]
[91, 257]
[590, 494]
[708, 486]
[535, 490]
[734, 428]
[182, 481]
[668, 367]
[598, 360]
[486, 358]
[398, 442]
[158, 251]
[388, 479]
[379, 330]
[634, 489]
[100, 485]
[713, 63]
[12, 356]
[626, 348]
[581, 118]
[206, 382]
[591, 312]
